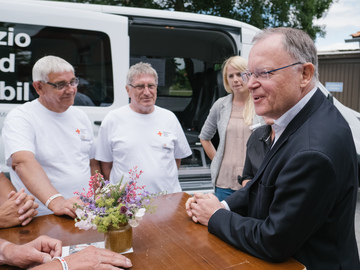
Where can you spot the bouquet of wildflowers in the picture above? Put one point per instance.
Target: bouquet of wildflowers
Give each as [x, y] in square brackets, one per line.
[108, 205]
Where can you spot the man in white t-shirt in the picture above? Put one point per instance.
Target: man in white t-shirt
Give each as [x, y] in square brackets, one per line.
[49, 144]
[142, 135]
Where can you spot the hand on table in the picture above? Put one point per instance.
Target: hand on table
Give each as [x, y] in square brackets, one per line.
[41, 251]
[19, 208]
[38, 251]
[96, 258]
[202, 206]
[61, 206]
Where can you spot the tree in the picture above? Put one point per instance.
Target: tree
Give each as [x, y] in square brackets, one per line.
[260, 13]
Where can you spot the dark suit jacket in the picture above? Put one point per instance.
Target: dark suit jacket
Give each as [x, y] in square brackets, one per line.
[257, 146]
[301, 202]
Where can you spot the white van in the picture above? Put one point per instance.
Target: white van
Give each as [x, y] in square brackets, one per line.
[101, 42]
[187, 51]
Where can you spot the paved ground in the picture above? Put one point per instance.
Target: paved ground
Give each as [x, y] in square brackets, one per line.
[357, 220]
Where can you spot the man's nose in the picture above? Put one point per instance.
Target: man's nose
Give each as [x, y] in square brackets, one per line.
[70, 88]
[146, 90]
[252, 83]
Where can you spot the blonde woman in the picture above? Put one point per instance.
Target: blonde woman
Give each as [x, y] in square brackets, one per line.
[232, 116]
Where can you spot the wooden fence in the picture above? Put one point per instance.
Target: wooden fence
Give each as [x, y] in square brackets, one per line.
[342, 67]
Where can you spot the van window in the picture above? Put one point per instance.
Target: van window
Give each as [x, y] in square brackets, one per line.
[188, 58]
[21, 45]
[175, 89]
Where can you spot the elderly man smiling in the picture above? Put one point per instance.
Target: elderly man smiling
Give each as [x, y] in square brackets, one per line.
[144, 135]
[49, 144]
[301, 202]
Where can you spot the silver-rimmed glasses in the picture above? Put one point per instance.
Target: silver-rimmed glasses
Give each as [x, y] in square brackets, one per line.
[141, 87]
[262, 73]
[61, 85]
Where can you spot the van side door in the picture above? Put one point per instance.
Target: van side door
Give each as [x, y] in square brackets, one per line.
[96, 44]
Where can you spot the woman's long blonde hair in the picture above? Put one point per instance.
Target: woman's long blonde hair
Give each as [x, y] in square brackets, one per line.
[240, 63]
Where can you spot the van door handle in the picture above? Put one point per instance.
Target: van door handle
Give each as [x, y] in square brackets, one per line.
[98, 123]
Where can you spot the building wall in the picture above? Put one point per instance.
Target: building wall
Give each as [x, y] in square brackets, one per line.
[342, 67]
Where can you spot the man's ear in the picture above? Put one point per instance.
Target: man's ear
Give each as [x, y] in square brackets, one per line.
[307, 74]
[39, 88]
[127, 90]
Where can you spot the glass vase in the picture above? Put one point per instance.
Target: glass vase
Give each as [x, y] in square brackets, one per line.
[119, 239]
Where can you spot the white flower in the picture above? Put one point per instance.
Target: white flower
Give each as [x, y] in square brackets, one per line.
[84, 222]
[133, 222]
[140, 213]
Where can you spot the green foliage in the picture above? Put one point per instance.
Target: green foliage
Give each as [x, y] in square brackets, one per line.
[114, 218]
[260, 13]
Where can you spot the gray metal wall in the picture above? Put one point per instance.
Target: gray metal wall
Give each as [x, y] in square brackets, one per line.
[342, 67]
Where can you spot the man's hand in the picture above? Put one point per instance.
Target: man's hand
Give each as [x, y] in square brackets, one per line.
[202, 206]
[187, 207]
[191, 201]
[38, 251]
[96, 258]
[19, 208]
[60, 206]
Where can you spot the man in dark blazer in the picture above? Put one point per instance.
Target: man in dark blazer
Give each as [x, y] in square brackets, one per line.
[301, 202]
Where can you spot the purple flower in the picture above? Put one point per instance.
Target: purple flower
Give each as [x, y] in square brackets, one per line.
[123, 209]
[147, 201]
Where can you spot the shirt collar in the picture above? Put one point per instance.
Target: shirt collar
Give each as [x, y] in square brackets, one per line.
[281, 123]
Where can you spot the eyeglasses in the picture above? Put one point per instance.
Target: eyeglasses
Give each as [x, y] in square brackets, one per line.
[141, 87]
[61, 85]
[262, 73]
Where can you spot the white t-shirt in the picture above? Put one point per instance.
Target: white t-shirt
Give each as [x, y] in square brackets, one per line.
[151, 142]
[63, 144]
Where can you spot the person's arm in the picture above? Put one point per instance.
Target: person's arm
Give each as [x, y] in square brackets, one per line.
[106, 169]
[95, 166]
[36, 181]
[6, 188]
[45, 251]
[38, 251]
[209, 128]
[178, 162]
[89, 258]
[247, 175]
[256, 149]
[244, 182]
[209, 148]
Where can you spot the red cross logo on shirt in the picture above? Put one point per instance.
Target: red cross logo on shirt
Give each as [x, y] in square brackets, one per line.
[159, 133]
[78, 131]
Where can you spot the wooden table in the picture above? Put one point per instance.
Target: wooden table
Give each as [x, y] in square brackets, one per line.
[167, 239]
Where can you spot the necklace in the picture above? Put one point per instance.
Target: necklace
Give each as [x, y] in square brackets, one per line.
[237, 108]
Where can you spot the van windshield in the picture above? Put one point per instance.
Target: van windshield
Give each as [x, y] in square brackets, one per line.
[88, 51]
